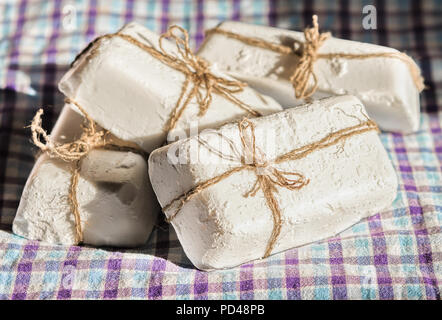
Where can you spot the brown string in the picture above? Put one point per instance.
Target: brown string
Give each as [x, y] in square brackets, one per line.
[269, 177]
[73, 202]
[197, 72]
[74, 152]
[309, 54]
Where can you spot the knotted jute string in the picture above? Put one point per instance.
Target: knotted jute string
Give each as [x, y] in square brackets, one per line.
[202, 81]
[73, 152]
[268, 176]
[309, 54]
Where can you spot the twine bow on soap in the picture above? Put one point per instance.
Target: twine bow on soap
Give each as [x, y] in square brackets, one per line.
[308, 52]
[268, 176]
[197, 71]
[73, 152]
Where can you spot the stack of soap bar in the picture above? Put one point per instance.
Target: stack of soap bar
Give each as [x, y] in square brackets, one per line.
[384, 85]
[116, 202]
[220, 228]
[132, 94]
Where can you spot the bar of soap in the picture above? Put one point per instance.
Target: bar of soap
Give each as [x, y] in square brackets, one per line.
[116, 202]
[220, 228]
[384, 85]
[132, 94]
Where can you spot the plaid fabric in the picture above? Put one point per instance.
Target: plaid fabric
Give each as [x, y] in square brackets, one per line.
[394, 254]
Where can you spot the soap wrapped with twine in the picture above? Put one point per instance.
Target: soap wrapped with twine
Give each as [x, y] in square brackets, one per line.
[268, 177]
[73, 152]
[308, 55]
[200, 82]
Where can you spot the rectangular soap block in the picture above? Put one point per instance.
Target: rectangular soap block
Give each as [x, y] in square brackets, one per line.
[116, 202]
[384, 85]
[131, 93]
[227, 221]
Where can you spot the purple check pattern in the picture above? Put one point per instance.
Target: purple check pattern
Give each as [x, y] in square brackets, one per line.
[395, 254]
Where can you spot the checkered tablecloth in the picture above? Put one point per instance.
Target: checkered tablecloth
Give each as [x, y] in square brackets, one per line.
[393, 254]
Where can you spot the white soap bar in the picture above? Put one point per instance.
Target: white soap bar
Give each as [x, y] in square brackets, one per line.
[220, 228]
[116, 202]
[132, 94]
[384, 85]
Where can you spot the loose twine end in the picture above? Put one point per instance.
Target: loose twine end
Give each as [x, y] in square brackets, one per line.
[71, 151]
